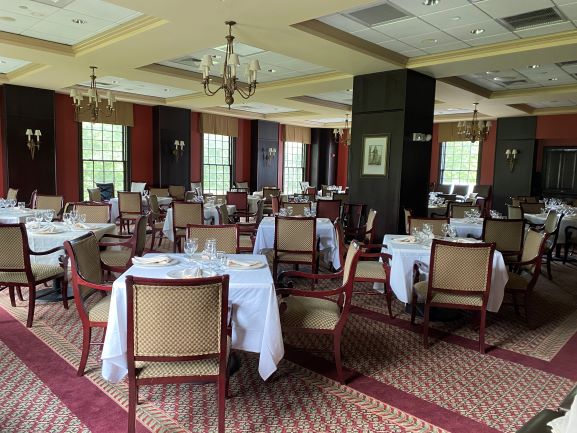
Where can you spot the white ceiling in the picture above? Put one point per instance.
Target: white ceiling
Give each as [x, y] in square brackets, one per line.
[117, 84]
[341, 96]
[8, 65]
[260, 108]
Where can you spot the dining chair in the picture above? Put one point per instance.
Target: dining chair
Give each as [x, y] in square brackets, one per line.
[407, 213]
[525, 273]
[17, 270]
[129, 208]
[330, 209]
[444, 189]
[226, 236]
[183, 214]
[158, 349]
[98, 213]
[267, 193]
[12, 194]
[506, 234]
[298, 208]
[247, 231]
[240, 200]
[177, 192]
[311, 190]
[342, 196]
[159, 192]
[514, 212]
[353, 217]
[156, 218]
[552, 226]
[137, 186]
[295, 242]
[459, 278]
[116, 256]
[460, 210]
[304, 185]
[528, 198]
[86, 278]
[533, 208]
[460, 190]
[435, 223]
[242, 186]
[310, 312]
[275, 204]
[196, 187]
[53, 202]
[94, 195]
[106, 190]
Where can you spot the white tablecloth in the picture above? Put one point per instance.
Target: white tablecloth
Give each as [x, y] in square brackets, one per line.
[325, 232]
[114, 212]
[210, 217]
[15, 215]
[255, 321]
[467, 227]
[566, 221]
[44, 241]
[405, 255]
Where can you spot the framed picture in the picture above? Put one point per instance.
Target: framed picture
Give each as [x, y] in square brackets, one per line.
[375, 155]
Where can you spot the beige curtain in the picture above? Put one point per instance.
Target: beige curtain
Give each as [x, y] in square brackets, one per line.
[448, 132]
[220, 125]
[298, 134]
[122, 114]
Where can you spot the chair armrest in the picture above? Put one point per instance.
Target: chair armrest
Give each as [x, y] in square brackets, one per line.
[97, 286]
[116, 236]
[307, 293]
[440, 215]
[43, 253]
[115, 244]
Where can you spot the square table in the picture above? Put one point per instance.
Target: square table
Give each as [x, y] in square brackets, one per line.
[405, 255]
[325, 232]
[255, 320]
[211, 216]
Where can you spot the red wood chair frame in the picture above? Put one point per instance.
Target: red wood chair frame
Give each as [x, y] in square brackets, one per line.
[313, 253]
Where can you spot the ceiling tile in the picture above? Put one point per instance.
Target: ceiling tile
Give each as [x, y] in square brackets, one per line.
[372, 36]
[564, 2]
[417, 8]
[15, 23]
[545, 30]
[28, 8]
[429, 39]
[413, 53]
[500, 8]
[8, 64]
[101, 9]
[442, 48]
[397, 46]
[258, 107]
[119, 84]
[343, 23]
[570, 11]
[405, 28]
[504, 37]
[457, 17]
[490, 28]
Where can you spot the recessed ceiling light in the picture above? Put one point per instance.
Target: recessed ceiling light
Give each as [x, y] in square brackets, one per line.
[166, 90]
[430, 2]
[271, 70]
[534, 66]
[456, 18]
[553, 79]
[114, 81]
[7, 19]
[477, 31]
[78, 21]
[429, 41]
[3, 61]
[349, 90]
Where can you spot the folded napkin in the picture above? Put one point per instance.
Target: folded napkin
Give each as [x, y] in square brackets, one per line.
[81, 226]
[244, 263]
[151, 260]
[191, 273]
[406, 240]
[46, 229]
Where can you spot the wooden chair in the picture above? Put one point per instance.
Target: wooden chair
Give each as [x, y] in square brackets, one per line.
[183, 214]
[86, 279]
[196, 187]
[342, 196]
[460, 210]
[435, 223]
[98, 213]
[119, 260]
[507, 235]
[330, 209]
[460, 190]
[366, 232]
[353, 217]
[16, 269]
[551, 226]
[226, 236]
[525, 273]
[444, 189]
[309, 312]
[570, 242]
[106, 190]
[159, 192]
[298, 208]
[407, 213]
[240, 200]
[528, 199]
[275, 204]
[137, 187]
[129, 208]
[534, 208]
[247, 231]
[267, 193]
[94, 195]
[156, 218]
[54, 202]
[295, 242]
[514, 212]
[159, 352]
[459, 277]
[242, 186]
[311, 190]
[12, 194]
[176, 192]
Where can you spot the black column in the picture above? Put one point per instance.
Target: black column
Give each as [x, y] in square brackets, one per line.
[396, 104]
[264, 172]
[323, 157]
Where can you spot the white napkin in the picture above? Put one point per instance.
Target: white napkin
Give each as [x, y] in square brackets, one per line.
[192, 273]
[46, 229]
[80, 226]
[244, 264]
[406, 240]
[150, 260]
[566, 423]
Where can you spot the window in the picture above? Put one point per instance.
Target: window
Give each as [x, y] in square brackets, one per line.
[103, 155]
[217, 165]
[294, 167]
[459, 162]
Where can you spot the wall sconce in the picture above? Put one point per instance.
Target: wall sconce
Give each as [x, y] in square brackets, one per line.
[421, 136]
[511, 155]
[178, 149]
[31, 143]
[268, 154]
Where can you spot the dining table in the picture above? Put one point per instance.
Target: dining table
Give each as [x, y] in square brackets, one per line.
[568, 220]
[15, 215]
[468, 227]
[115, 213]
[405, 252]
[325, 232]
[255, 314]
[211, 216]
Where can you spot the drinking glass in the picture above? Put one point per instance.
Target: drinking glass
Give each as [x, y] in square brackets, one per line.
[307, 212]
[289, 210]
[82, 218]
[30, 222]
[452, 231]
[2, 203]
[21, 205]
[190, 247]
[221, 260]
[48, 215]
[427, 231]
[445, 229]
[66, 218]
[38, 216]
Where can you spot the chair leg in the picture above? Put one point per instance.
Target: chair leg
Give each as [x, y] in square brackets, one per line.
[515, 304]
[482, 322]
[426, 326]
[337, 353]
[19, 293]
[31, 305]
[152, 240]
[86, 338]
[132, 402]
[12, 297]
[221, 401]
[64, 292]
[389, 298]
[413, 309]
[549, 259]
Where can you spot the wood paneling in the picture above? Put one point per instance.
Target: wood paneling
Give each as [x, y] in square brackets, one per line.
[264, 135]
[559, 174]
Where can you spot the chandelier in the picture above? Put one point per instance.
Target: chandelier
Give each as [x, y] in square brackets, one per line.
[343, 135]
[93, 108]
[228, 81]
[474, 130]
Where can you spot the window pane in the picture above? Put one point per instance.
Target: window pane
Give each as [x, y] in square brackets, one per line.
[459, 162]
[217, 167]
[294, 167]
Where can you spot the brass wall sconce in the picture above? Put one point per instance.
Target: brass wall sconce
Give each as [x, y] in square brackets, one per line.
[269, 154]
[511, 156]
[178, 149]
[33, 144]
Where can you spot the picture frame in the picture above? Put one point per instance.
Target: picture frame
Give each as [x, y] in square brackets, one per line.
[375, 156]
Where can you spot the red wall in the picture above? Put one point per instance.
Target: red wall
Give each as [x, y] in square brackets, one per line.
[67, 148]
[3, 174]
[555, 131]
[195, 148]
[435, 155]
[243, 149]
[141, 145]
[342, 161]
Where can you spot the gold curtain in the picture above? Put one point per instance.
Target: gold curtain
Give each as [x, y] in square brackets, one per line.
[448, 132]
[220, 125]
[298, 134]
[122, 114]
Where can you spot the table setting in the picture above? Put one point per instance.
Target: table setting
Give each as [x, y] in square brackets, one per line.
[114, 211]
[569, 216]
[471, 225]
[211, 216]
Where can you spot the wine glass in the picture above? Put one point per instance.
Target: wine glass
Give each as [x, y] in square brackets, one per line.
[445, 229]
[190, 247]
[21, 205]
[427, 231]
[289, 210]
[452, 231]
[48, 215]
[221, 260]
[38, 216]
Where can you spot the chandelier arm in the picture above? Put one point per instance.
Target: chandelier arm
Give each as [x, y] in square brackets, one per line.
[244, 93]
[210, 92]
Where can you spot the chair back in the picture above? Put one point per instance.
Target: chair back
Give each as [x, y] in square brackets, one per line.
[176, 192]
[54, 202]
[159, 192]
[106, 190]
[342, 196]
[330, 209]
[226, 236]
[435, 223]
[196, 187]
[532, 207]
[159, 310]
[408, 214]
[304, 185]
[137, 186]
[12, 194]
[275, 204]
[448, 197]
[259, 212]
[443, 189]
[242, 186]
[528, 199]
[129, 202]
[459, 210]
[140, 236]
[94, 195]
[552, 221]
[354, 213]
[268, 192]
[190, 195]
[507, 235]
[325, 191]
[351, 259]
[533, 250]
[14, 256]
[85, 265]
[95, 212]
[184, 213]
[298, 208]
[514, 212]
[295, 234]
[239, 199]
[311, 190]
[153, 205]
[461, 268]
[223, 216]
[369, 227]
[461, 190]
[483, 191]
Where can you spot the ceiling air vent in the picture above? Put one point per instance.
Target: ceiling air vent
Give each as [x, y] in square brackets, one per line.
[188, 61]
[380, 14]
[528, 20]
[510, 83]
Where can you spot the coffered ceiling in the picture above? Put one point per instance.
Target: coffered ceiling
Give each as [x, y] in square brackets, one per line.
[513, 57]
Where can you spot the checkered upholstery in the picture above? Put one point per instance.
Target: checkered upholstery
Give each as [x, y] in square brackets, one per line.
[12, 194]
[201, 367]
[153, 304]
[185, 213]
[226, 236]
[459, 210]
[353, 248]
[517, 282]
[159, 192]
[87, 259]
[245, 241]
[116, 258]
[129, 204]
[506, 234]
[54, 202]
[407, 215]
[40, 272]
[267, 192]
[514, 212]
[532, 248]
[99, 311]
[372, 270]
[532, 207]
[293, 257]
[310, 313]
[94, 194]
[94, 213]
[551, 222]
[177, 191]
[295, 234]
[298, 208]
[435, 223]
[447, 298]
[153, 204]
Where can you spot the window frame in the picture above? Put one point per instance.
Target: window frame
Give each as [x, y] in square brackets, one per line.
[286, 145]
[442, 161]
[232, 159]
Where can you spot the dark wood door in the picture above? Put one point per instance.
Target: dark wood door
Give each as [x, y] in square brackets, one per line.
[559, 171]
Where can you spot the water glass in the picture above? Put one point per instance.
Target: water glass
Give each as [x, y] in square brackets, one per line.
[30, 222]
[289, 210]
[307, 212]
[38, 216]
[48, 215]
[452, 231]
[445, 229]
[2, 203]
[190, 247]
[21, 205]
[221, 260]
[282, 212]
[427, 231]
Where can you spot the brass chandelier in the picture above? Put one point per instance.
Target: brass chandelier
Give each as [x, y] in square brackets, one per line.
[343, 135]
[93, 107]
[475, 129]
[228, 81]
